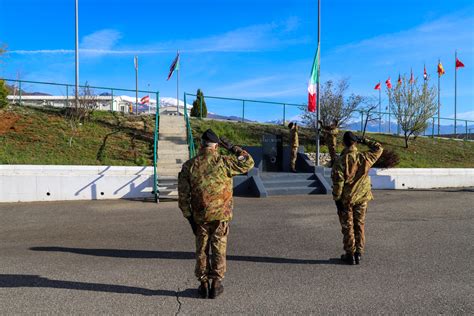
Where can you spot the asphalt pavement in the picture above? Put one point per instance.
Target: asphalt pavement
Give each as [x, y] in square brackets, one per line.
[129, 257]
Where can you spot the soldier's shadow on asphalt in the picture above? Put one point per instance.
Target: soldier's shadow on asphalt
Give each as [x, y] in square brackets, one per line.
[178, 255]
[36, 281]
[32, 281]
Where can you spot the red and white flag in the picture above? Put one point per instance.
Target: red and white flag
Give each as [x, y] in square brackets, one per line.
[145, 100]
[377, 86]
[388, 83]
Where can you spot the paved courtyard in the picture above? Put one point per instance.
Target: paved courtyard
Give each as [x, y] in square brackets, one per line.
[128, 257]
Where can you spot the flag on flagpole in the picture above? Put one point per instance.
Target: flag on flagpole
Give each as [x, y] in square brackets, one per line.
[174, 66]
[440, 69]
[459, 64]
[388, 83]
[377, 86]
[145, 99]
[313, 83]
[425, 74]
[135, 62]
[399, 82]
[412, 78]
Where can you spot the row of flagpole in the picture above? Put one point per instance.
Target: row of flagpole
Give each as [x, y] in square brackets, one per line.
[440, 70]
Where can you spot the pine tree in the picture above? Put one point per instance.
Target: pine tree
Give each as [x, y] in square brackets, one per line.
[3, 94]
[196, 109]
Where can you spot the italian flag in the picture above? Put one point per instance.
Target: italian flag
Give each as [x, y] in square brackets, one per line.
[313, 83]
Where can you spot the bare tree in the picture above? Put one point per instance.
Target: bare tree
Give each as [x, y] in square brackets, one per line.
[334, 105]
[413, 104]
[87, 103]
[368, 110]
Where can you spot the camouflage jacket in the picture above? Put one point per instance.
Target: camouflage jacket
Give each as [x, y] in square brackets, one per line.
[350, 179]
[294, 141]
[205, 185]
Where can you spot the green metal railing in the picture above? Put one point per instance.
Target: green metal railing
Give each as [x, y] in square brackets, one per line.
[156, 193]
[21, 84]
[245, 102]
[189, 131]
[69, 98]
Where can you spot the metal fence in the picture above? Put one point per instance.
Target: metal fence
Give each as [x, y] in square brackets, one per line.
[246, 110]
[38, 93]
[386, 122]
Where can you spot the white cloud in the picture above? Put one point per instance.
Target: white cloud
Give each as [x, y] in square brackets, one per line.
[261, 87]
[465, 116]
[103, 39]
[245, 39]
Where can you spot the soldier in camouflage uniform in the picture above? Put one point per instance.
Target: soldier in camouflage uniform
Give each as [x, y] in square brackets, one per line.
[205, 198]
[352, 191]
[330, 137]
[294, 144]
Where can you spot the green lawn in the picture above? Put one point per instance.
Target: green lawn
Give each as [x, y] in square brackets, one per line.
[34, 136]
[41, 136]
[424, 152]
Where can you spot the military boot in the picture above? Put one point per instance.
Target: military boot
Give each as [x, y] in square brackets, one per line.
[216, 289]
[357, 257]
[348, 258]
[203, 289]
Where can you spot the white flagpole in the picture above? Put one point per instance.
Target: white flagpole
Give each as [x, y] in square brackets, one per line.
[177, 84]
[318, 105]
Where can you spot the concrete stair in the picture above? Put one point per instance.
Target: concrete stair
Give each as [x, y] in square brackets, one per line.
[285, 183]
[172, 153]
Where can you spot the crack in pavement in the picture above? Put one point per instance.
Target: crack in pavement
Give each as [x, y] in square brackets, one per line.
[179, 303]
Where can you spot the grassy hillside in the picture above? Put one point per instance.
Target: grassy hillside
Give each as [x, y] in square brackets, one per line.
[42, 136]
[424, 152]
[34, 136]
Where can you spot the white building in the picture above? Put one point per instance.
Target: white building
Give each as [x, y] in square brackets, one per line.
[123, 103]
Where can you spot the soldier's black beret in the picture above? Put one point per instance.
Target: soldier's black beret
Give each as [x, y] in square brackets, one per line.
[349, 138]
[210, 137]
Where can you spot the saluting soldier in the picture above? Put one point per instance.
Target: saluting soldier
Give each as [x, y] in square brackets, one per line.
[205, 198]
[294, 144]
[352, 192]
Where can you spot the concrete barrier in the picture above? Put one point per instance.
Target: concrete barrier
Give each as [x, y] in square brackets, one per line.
[422, 178]
[25, 183]
[416, 178]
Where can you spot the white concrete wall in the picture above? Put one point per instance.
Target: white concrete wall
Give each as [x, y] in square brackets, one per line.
[24, 183]
[422, 178]
[417, 178]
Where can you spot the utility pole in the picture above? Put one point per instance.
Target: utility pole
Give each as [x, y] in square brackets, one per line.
[455, 91]
[77, 56]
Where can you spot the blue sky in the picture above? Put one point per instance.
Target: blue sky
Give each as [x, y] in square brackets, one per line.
[248, 49]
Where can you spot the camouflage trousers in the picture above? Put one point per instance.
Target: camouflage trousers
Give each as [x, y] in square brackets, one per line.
[293, 156]
[331, 142]
[352, 221]
[211, 246]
